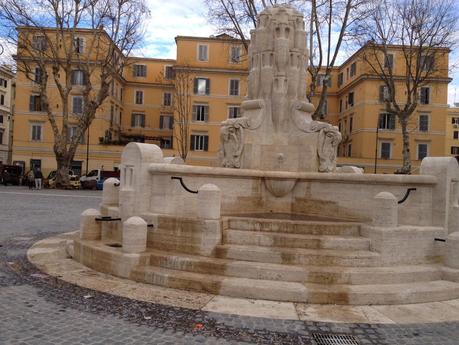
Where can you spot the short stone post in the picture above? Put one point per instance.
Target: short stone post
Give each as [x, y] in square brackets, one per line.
[90, 229]
[452, 250]
[134, 235]
[386, 213]
[110, 194]
[209, 198]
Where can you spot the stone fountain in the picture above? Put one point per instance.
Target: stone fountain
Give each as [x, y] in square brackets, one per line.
[276, 221]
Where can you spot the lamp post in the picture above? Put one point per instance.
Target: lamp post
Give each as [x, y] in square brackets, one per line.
[87, 151]
[376, 144]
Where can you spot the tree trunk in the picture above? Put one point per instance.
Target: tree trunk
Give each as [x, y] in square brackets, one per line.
[406, 166]
[62, 173]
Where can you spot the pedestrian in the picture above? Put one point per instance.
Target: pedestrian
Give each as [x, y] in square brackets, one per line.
[30, 178]
[38, 178]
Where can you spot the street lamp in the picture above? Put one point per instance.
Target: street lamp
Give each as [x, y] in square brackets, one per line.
[376, 144]
[87, 151]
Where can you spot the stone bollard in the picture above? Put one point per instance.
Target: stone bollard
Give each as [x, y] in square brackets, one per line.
[452, 250]
[90, 229]
[134, 235]
[110, 194]
[209, 198]
[386, 213]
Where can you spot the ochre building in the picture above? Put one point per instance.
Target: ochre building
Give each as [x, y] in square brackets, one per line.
[144, 101]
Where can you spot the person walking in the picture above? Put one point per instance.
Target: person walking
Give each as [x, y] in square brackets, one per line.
[30, 178]
[38, 178]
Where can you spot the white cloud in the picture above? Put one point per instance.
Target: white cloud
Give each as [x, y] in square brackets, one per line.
[170, 19]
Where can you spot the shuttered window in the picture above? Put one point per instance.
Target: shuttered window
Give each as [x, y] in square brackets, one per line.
[200, 112]
[138, 120]
[199, 142]
[202, 86]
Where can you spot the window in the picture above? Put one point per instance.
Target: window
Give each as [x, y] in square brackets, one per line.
[139, 97]
[427, 62]
[166, 122]
[235, 54]
[350, 99]
[353, 69]
[199, 142]
[422, 151]
[340, 79]
[39, 43]
[202, 52]
[38, 76]
[2, 99]
[351, 123]
[78, 44]
[169, 72]
[200, 112]
[322, 78]
[35, 103]
[1, 118]
[77, 105]
[78, 77]
[167, 99]
[35, 163]
[1, 137]
[234, 87]
[112, 114]
[35, 132]
[349, 150]
[386, 149]
[233, 112]
[423, 123]
[202, 86]
[3, 82]
[455, 150]
[386, 121]
[340, 105]
[165, 142]
[138, 120]
[456, 135]
[389, 61]
[383, 93]
[455, 121]
[140, 70]
[425, 95]
[72, 132]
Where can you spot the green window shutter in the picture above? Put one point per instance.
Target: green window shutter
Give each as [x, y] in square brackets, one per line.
[195, 89]
[206, 113]
[206, 143]
[32, 103]
[195, 112]
[132, 120]
[193, 139]
[207, 86]
[143, 120]
[161, 121]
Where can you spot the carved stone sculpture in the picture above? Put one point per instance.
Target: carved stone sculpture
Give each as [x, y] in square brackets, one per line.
[276, 117]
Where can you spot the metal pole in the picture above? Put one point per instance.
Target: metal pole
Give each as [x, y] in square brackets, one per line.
[87, 151]
[376, 145]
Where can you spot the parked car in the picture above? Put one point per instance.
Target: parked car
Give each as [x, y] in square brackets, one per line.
[50, 181]
[10, 174]
[95, 178]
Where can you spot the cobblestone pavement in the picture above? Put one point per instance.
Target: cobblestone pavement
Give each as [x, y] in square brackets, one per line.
[38, 309]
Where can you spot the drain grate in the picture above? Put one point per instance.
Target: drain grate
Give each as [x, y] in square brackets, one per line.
[334, 339]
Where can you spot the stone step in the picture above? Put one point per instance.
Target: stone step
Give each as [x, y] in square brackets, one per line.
[273, 239]
[298, 256]
[293, 273]
[296, 292]
[293, 226]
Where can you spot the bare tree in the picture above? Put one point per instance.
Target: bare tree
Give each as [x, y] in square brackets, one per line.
[183, 91]
[326, 18]
[78, 46]
[423, 32]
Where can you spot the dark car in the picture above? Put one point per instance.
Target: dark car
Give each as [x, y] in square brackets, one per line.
[10, 174]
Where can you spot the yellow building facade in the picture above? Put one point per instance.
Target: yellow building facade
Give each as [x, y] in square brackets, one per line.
[142, 107]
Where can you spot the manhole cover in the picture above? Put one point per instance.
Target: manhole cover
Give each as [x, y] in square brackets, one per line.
[334, 339]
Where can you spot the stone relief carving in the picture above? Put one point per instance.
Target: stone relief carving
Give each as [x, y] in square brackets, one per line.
[232, 141]
[329, 139]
